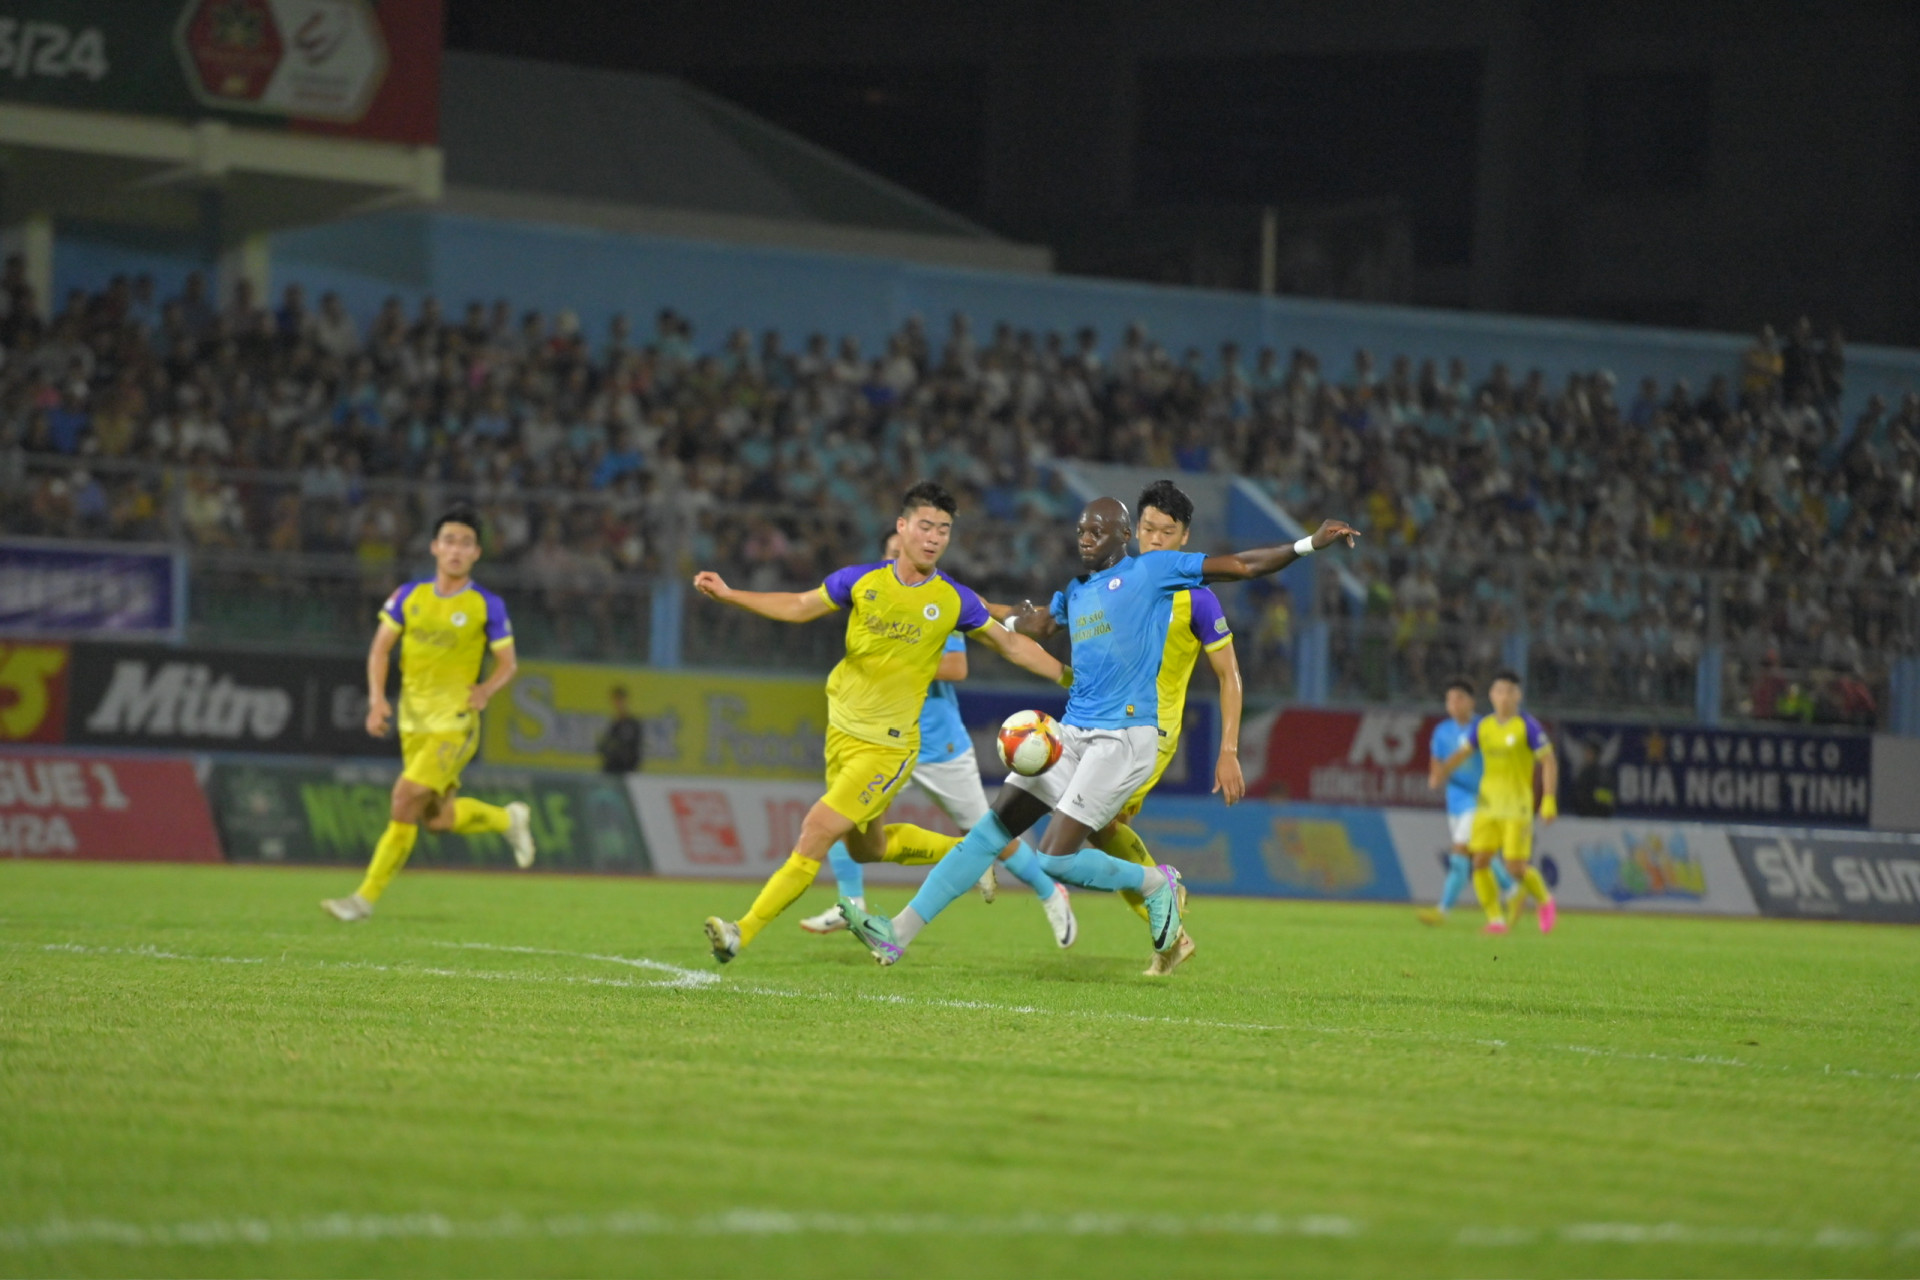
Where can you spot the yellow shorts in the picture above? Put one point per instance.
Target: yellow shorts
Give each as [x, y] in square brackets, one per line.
[864, 777]
[434, 760]
[1167, 747]
[1511, 838]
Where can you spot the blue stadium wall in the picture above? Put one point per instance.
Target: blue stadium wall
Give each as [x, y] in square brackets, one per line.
[599, 273]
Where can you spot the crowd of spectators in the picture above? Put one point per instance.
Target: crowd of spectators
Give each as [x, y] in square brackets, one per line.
[1581, 515]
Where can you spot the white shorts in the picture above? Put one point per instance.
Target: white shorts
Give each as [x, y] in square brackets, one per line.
[1461, 827]
[1098, 770]
[954, 785]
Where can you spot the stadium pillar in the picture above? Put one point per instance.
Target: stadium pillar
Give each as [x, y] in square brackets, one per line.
[1707, 679]
[250, 259]
[668, 610]
[1513, 653]
[1311, 681]
[1903, 713]
[32, 238]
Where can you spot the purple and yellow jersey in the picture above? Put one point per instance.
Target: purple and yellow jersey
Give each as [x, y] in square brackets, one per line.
[1508, 750]
[442, 642]
[1198, 623]
[895, 636]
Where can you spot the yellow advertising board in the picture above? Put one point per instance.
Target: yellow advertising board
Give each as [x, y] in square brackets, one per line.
[693, 722]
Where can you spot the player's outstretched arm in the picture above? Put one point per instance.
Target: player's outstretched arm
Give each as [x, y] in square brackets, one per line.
[1022, 653]
[781, 606]
[379, 656]
[1228, 782]
[1242, 565]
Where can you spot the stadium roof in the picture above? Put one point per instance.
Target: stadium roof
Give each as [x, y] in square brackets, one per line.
[622, 151]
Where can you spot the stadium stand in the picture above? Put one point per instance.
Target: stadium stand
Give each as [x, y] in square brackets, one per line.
[1613, 536]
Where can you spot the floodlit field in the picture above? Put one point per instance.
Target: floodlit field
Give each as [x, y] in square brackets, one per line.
[522, 1074]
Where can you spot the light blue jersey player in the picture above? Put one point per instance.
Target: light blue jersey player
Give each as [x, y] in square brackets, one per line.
[1117, 614]
[1463, 794]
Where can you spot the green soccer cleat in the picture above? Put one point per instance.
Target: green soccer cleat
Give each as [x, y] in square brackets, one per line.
[1163, 910]
[876, 932]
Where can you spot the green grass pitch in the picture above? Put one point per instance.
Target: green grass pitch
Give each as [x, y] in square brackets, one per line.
[202, 1075]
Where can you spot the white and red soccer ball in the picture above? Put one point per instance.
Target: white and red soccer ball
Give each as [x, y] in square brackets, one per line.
[1029, 742]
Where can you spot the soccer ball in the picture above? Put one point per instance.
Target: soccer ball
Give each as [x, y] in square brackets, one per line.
[1029, 742]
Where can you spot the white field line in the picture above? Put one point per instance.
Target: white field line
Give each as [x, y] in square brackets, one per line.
[59, 1232]
[679, 978]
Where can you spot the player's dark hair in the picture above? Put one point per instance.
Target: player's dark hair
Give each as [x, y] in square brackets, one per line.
[928, 493]
[1506, 673]
[1165, 495]
[460, 514]
[1463, 684]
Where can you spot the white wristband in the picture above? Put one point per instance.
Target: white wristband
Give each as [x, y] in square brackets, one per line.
[1304, 547]
[1008, 623]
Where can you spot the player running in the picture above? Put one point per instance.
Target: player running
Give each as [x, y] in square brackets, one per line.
[1117, 614]
[1508, 743]
[948, 772]
[1463, 795]
[899, 615]
[448, 624]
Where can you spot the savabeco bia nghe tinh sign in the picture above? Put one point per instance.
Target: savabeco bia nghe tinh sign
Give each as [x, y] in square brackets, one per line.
[1710, 774]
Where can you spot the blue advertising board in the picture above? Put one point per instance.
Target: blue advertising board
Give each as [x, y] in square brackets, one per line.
[1275, 850]
[80, 590]
[1699, 773]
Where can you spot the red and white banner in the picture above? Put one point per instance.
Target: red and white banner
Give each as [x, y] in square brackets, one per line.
[66, 805]
[740, 828]
[1340, 757]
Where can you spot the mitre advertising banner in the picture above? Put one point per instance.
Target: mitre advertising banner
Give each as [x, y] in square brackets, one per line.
[1726, 775]
[351, 67]
[62, 591]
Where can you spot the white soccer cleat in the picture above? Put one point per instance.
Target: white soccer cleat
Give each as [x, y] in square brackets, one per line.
[723, 936]
[349, 909]
[832, 920]
[989, 884]
[1059, 909]
[520, 834]
[1165, 962]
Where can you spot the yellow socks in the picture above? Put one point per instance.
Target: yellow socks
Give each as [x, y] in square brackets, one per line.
[1123, 843]
[779, 893]
[1487, 889]
[911, 846]
[396, 842]
[1532, 881]
[471, 817]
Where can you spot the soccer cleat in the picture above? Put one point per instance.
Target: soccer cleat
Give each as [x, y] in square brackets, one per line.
[724, 937]
[832, 920]
[1430, 915]
[1163, 910]
[1066, 930]
[989, 884]
[1165, 962]
[520, 834]
[874, 932]
[350, 909]
[1548, 914]
[1495, 926]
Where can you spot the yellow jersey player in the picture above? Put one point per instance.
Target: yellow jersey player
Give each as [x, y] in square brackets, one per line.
[1198, 625]
[899, 615]
[445, 626]
[1509, 743]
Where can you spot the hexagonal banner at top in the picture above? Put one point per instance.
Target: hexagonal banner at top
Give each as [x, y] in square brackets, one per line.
[317, 59]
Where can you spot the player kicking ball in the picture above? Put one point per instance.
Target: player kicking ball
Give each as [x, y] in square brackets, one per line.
[447, 625]
[948, 772]
[1117, 614]
[899, 615]
[1463, 797]
[1508, 743]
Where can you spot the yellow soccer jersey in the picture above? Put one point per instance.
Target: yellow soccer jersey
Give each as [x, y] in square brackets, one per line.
[895, 635]
[442, 640]
[1509, 750]
[1197, 623]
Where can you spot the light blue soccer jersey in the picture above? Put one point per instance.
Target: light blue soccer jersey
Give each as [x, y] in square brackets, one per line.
[1463, 784]
[943, 735]
[1118, 619]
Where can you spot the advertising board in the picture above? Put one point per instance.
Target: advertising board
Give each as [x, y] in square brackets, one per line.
[33, 692]
[61, 591]
[1716, 775]
[1376, 757]
[1831, 875]
[63, 804]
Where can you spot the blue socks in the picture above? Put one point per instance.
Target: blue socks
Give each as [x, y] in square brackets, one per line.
[1501, 874]
[1092, 869]
[1459, 867]
[850, 875]
[1025, 864]
[956, 873]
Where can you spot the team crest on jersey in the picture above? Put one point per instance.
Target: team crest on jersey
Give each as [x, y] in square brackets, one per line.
[1113, 584]
[873, 595]
[1220, 625]
[931, 613]
[459, 619]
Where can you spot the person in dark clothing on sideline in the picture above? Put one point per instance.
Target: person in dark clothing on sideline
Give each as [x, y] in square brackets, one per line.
[620, 746]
